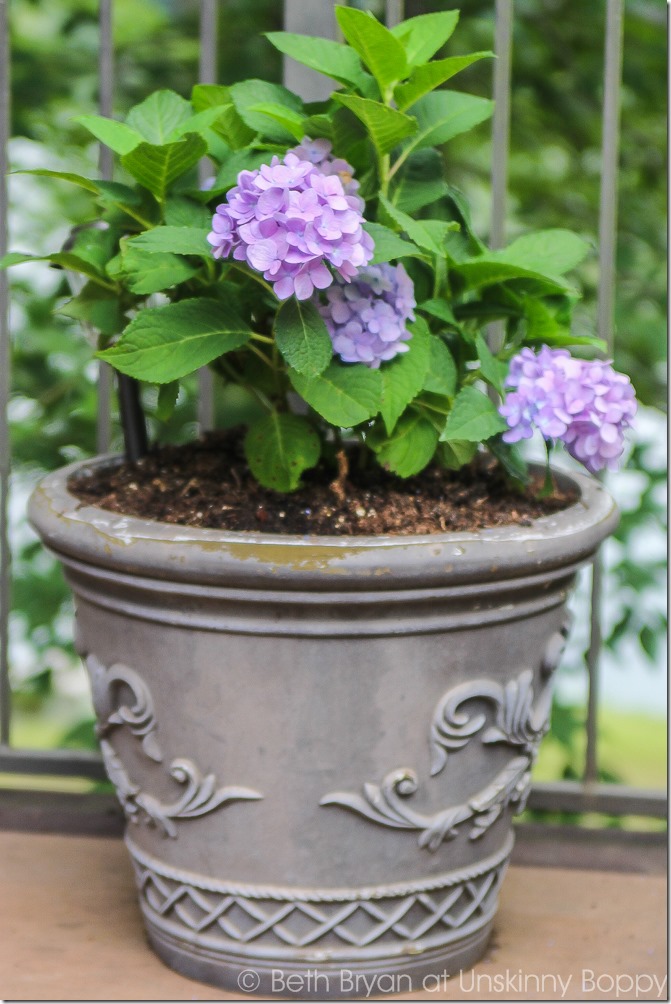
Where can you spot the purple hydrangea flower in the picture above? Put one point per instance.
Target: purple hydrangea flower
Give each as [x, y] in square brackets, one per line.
[318, 152]
[587, 405]
[366, 318]
[289, 220]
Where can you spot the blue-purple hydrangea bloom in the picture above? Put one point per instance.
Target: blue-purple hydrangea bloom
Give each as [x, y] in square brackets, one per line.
[290, 219]
[366, 318]
[587, 405]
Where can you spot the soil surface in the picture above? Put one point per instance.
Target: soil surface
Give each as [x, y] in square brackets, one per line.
[208, 484]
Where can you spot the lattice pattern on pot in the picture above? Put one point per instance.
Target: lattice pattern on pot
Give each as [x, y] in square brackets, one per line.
[300, 923]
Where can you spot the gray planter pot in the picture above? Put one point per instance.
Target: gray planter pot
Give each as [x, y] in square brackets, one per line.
[319, 743]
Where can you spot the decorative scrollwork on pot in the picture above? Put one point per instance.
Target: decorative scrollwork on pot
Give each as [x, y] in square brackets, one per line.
[198, 798]
[385, 804]
[520, 722]
[139, 717]
[200, 794]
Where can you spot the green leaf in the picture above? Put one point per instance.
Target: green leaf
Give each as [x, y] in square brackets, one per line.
[162, 344]
[493, 370]
[410, 448]
[94, 244]
[424, 35]
[473, 418]
[302, 337]
[167, 399]
[550, 252]
[379, 49]
[443, 115]
[248, 93]
[182, 212]
[65, 259]
[440, 309]
[456, 453]
[292, 121]
[241, 160]
[204, 96]
[112, 193]
[389, 245]
[158, 115]
[420, 181]
[510, 458]
[228, 124]
[386, 126]
[417, 230]
[116, 135]
[544, 256]
[344, 394]
[156, 167]
[403, 377]
[321, 54]
[442, 374]
[176, 240]
[430, 75]
[74, 179]
[279, 448]
[146, 272]
[95, 306]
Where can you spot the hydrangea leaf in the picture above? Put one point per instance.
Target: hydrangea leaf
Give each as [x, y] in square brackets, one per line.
[116, 135]
[96, 306]
[440, 309]
[509, 456]
[334, 60]
[344, 394]
[415, 229]
[443, 115]
[428, 76]
[229, 123]
[302, 337]
[442, 373]
[388, 245]
[74, 179]
[380, 50]
[182, 212]
[404, 376]
[473, 418]
[279, 448]
[176, 240]
[386, 126]
[167, 399]
[544, 256]
[424, 35]
[292, 121]
[162, 344]
[157, 167]
[248, 93]
[493, 370]
[420, 181]
[146, 272]
[456, 453]
[158, 116]
[410, 448]
[65, 259]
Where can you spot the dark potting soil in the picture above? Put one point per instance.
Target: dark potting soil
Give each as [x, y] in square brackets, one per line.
[208, 484]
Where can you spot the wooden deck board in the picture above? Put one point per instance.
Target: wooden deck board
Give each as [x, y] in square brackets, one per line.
[71, 930]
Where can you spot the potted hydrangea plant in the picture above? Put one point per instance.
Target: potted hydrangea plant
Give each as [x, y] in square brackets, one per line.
[321, 687]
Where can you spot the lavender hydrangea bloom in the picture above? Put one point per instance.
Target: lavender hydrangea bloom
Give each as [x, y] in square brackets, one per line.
[318, 152]
[289, 220]
[367, 317]
[587, 405]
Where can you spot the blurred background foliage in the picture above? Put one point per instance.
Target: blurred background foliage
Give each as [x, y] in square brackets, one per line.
[554, 181]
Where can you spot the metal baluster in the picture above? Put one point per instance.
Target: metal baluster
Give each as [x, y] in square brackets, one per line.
[503, 47]
[308, 17]
[207, 74]
[105, 97]
[605, 314]
[393, 13]
[5, 556]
